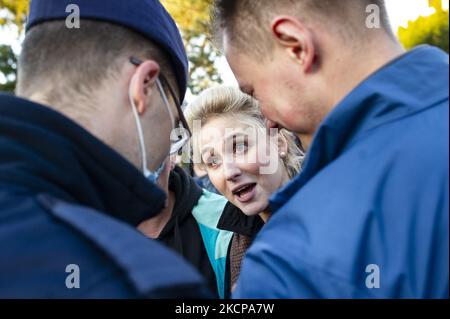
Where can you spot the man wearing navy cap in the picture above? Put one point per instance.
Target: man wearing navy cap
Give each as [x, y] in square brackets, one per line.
[81, 150]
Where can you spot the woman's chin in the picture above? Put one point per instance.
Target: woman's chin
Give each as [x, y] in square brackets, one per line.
[253, 208]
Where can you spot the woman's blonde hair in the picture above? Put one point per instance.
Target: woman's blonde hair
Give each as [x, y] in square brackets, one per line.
[231, 102]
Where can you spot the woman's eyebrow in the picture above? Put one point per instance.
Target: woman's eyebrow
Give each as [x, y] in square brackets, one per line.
[234, 135]
[207, 149]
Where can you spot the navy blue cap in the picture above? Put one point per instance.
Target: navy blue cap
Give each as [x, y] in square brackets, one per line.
[148, 17]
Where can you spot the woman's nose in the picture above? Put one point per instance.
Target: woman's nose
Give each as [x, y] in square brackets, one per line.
[231, 172]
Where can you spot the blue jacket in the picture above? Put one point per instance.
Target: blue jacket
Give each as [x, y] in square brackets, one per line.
[67, 199]
[368, 216]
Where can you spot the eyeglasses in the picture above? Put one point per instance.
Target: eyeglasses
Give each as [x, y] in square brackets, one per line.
[181, 134]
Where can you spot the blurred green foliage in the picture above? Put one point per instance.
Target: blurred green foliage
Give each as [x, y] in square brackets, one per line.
[8, 68]
[431, 30]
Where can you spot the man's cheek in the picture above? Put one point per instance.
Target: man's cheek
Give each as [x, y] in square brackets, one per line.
[266, 111]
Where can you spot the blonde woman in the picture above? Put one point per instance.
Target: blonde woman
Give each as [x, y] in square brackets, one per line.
[244, 161]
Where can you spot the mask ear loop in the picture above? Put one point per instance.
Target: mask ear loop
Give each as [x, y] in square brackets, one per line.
[145, 169]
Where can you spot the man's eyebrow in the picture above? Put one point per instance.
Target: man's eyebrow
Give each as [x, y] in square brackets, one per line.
[245, 89]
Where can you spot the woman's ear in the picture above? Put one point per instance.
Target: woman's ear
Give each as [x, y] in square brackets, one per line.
[143, 84]
[282, 145]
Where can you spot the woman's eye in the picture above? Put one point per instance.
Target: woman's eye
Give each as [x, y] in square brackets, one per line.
[240, 148]
[213, 162]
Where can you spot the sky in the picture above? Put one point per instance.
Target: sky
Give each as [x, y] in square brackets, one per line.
[400, 12]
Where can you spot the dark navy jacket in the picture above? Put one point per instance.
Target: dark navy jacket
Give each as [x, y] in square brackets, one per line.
[368, 216]
[66, 198]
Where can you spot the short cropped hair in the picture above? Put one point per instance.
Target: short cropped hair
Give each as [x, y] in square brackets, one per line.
[244, 20]
[77, 61]
[224, 101]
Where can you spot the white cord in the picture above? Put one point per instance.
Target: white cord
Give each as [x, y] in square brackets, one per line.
[140, 135]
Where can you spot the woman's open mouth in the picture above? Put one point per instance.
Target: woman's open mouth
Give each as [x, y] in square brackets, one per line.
[245, 193]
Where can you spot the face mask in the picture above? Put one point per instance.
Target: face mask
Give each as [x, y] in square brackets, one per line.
[152, 176]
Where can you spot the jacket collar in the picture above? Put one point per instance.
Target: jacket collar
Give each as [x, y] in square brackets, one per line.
[413, 82]
[44, 152]
[234, 220]
[187, 195]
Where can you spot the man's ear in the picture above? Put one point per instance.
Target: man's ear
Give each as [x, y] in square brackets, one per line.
[143, 84]
[296, 39]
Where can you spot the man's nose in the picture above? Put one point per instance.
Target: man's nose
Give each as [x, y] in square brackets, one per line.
[270, 124]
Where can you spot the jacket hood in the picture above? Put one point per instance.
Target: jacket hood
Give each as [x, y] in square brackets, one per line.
[42, 151]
